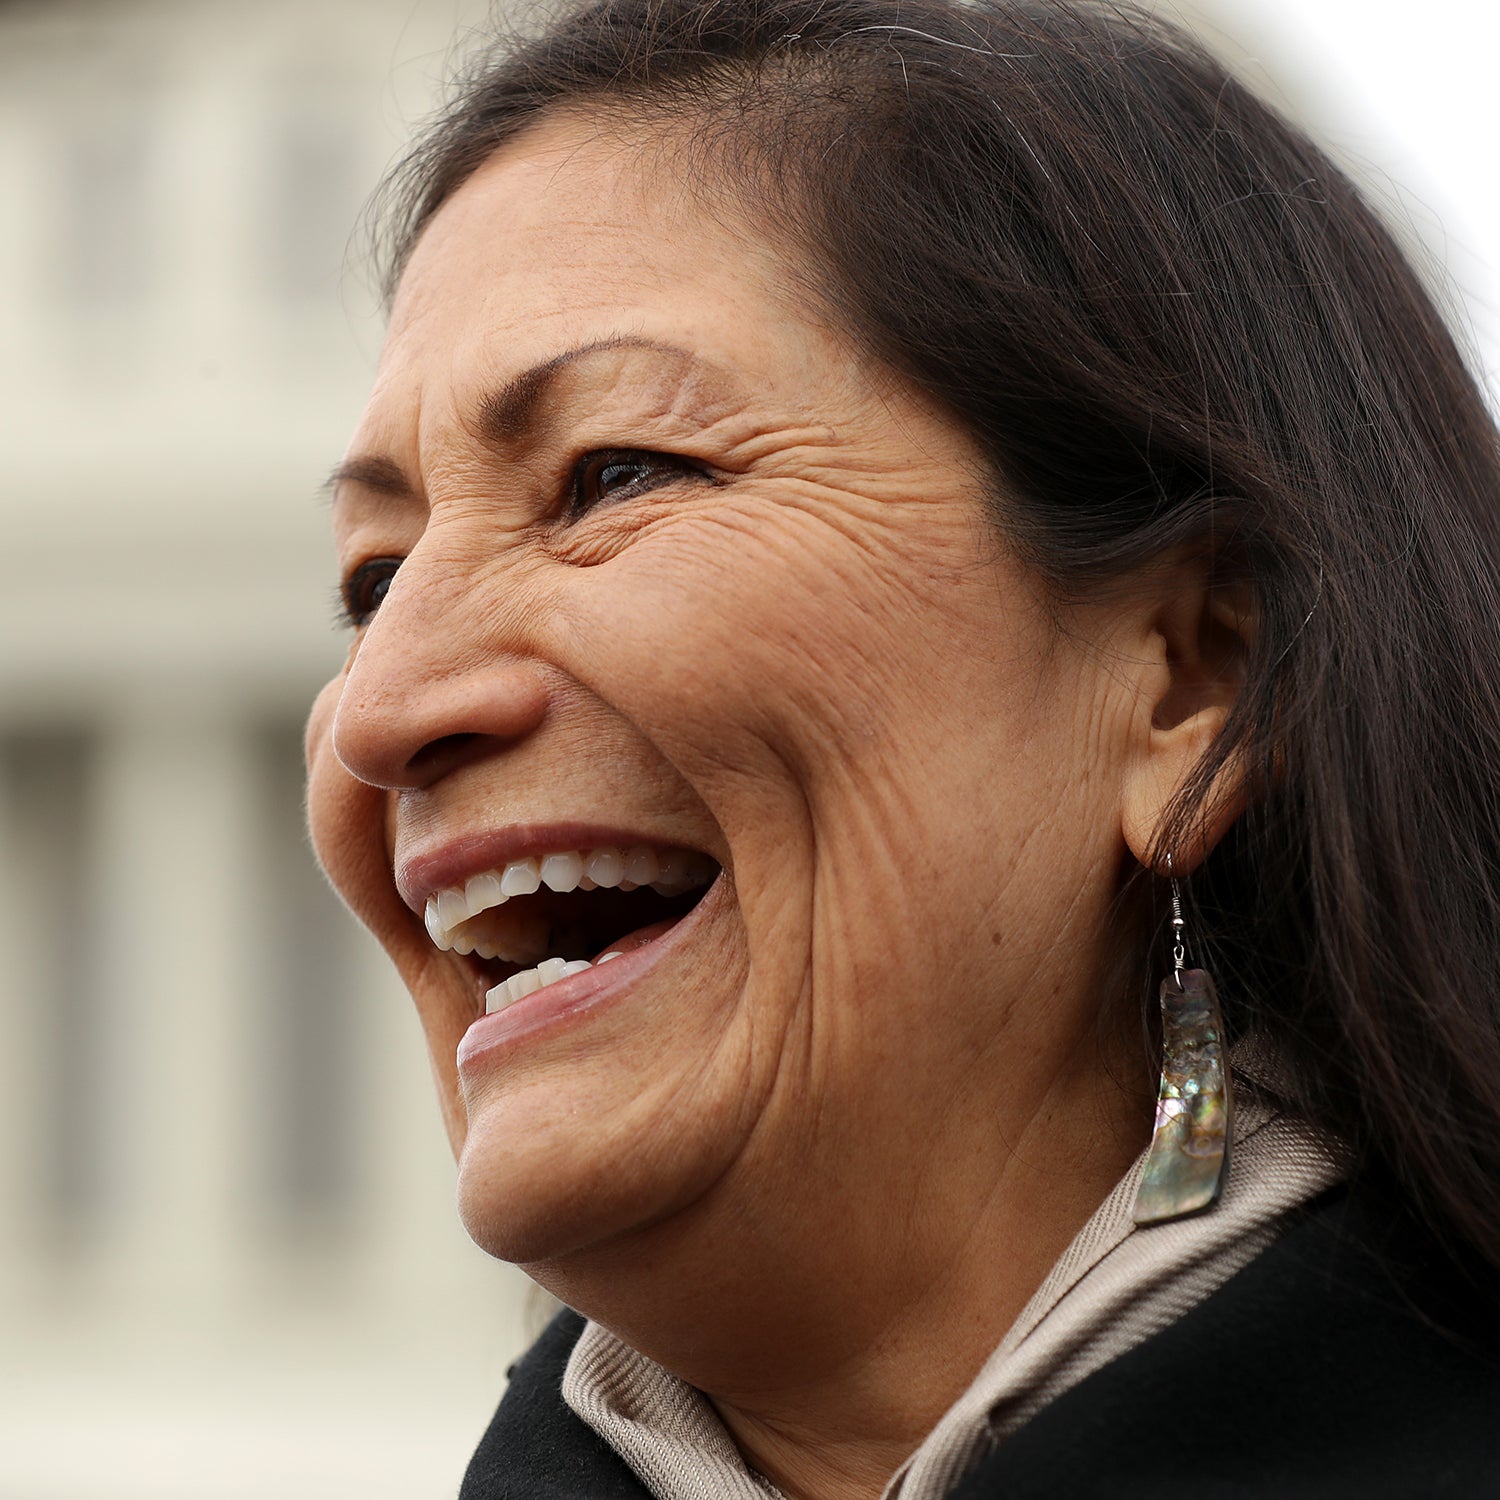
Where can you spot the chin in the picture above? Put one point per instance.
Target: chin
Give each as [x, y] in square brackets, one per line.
[595, 1150]
[523, 1203]
[521, 1212]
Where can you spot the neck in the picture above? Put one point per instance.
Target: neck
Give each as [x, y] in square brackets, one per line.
[832, 1324]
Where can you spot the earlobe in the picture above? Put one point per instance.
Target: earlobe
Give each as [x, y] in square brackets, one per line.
[1155, 784]
[1199, 639]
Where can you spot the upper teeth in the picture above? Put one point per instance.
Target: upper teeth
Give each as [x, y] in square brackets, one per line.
[669, 872]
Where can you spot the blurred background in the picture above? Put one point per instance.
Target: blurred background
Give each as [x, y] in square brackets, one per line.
[229, 1264]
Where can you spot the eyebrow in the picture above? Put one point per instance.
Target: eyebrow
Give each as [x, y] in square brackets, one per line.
[508, 413]
[511, 411]
[383, 475]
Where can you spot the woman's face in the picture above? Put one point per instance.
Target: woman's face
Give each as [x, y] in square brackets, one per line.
[685, 576]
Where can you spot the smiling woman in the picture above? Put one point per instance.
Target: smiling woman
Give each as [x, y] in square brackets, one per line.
[856, 505]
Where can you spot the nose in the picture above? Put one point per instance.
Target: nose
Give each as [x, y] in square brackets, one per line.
[430, 690]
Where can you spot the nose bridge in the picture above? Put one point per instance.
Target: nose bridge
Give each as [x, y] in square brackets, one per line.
[443, 672]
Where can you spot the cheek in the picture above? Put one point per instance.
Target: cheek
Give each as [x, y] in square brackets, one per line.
[730, 638]
[768, 654]
[346, 822]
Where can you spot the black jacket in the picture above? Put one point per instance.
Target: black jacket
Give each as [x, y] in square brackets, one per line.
[1350, 1359]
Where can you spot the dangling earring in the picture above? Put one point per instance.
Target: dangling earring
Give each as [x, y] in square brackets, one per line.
[1188, 1161]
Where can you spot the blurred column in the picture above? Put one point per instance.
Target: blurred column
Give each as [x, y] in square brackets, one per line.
[406, 1211]
[172, 962]
[25, 1023]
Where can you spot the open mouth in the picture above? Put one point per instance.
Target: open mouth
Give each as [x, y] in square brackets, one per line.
[540, 919]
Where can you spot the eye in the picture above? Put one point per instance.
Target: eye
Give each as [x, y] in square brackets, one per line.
[621, 474]
[363, 590]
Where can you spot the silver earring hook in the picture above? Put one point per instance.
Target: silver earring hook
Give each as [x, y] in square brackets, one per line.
[1179, 926]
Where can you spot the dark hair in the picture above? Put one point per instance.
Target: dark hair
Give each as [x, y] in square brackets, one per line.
[1170, 321]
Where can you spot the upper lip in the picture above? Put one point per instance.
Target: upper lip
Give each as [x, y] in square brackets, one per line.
[440, 865]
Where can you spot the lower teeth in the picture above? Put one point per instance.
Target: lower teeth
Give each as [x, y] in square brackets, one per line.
[529, 981]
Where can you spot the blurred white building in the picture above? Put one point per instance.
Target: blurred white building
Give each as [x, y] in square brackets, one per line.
[229, 1266]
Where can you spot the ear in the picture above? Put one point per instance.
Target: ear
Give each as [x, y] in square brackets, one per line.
[1197, 640]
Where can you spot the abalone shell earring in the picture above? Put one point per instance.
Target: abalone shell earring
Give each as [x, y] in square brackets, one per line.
[1188, 1159]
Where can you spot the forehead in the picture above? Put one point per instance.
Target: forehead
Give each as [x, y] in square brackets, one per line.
[571, 235]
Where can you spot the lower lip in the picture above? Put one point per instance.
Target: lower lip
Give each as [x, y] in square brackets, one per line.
[571, 1001]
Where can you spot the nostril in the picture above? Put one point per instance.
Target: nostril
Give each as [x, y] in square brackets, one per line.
[440, 756]
[406, 719]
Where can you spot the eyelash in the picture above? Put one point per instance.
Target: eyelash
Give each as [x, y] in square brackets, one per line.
[357, 596]
[660, 469]
[355, 603]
